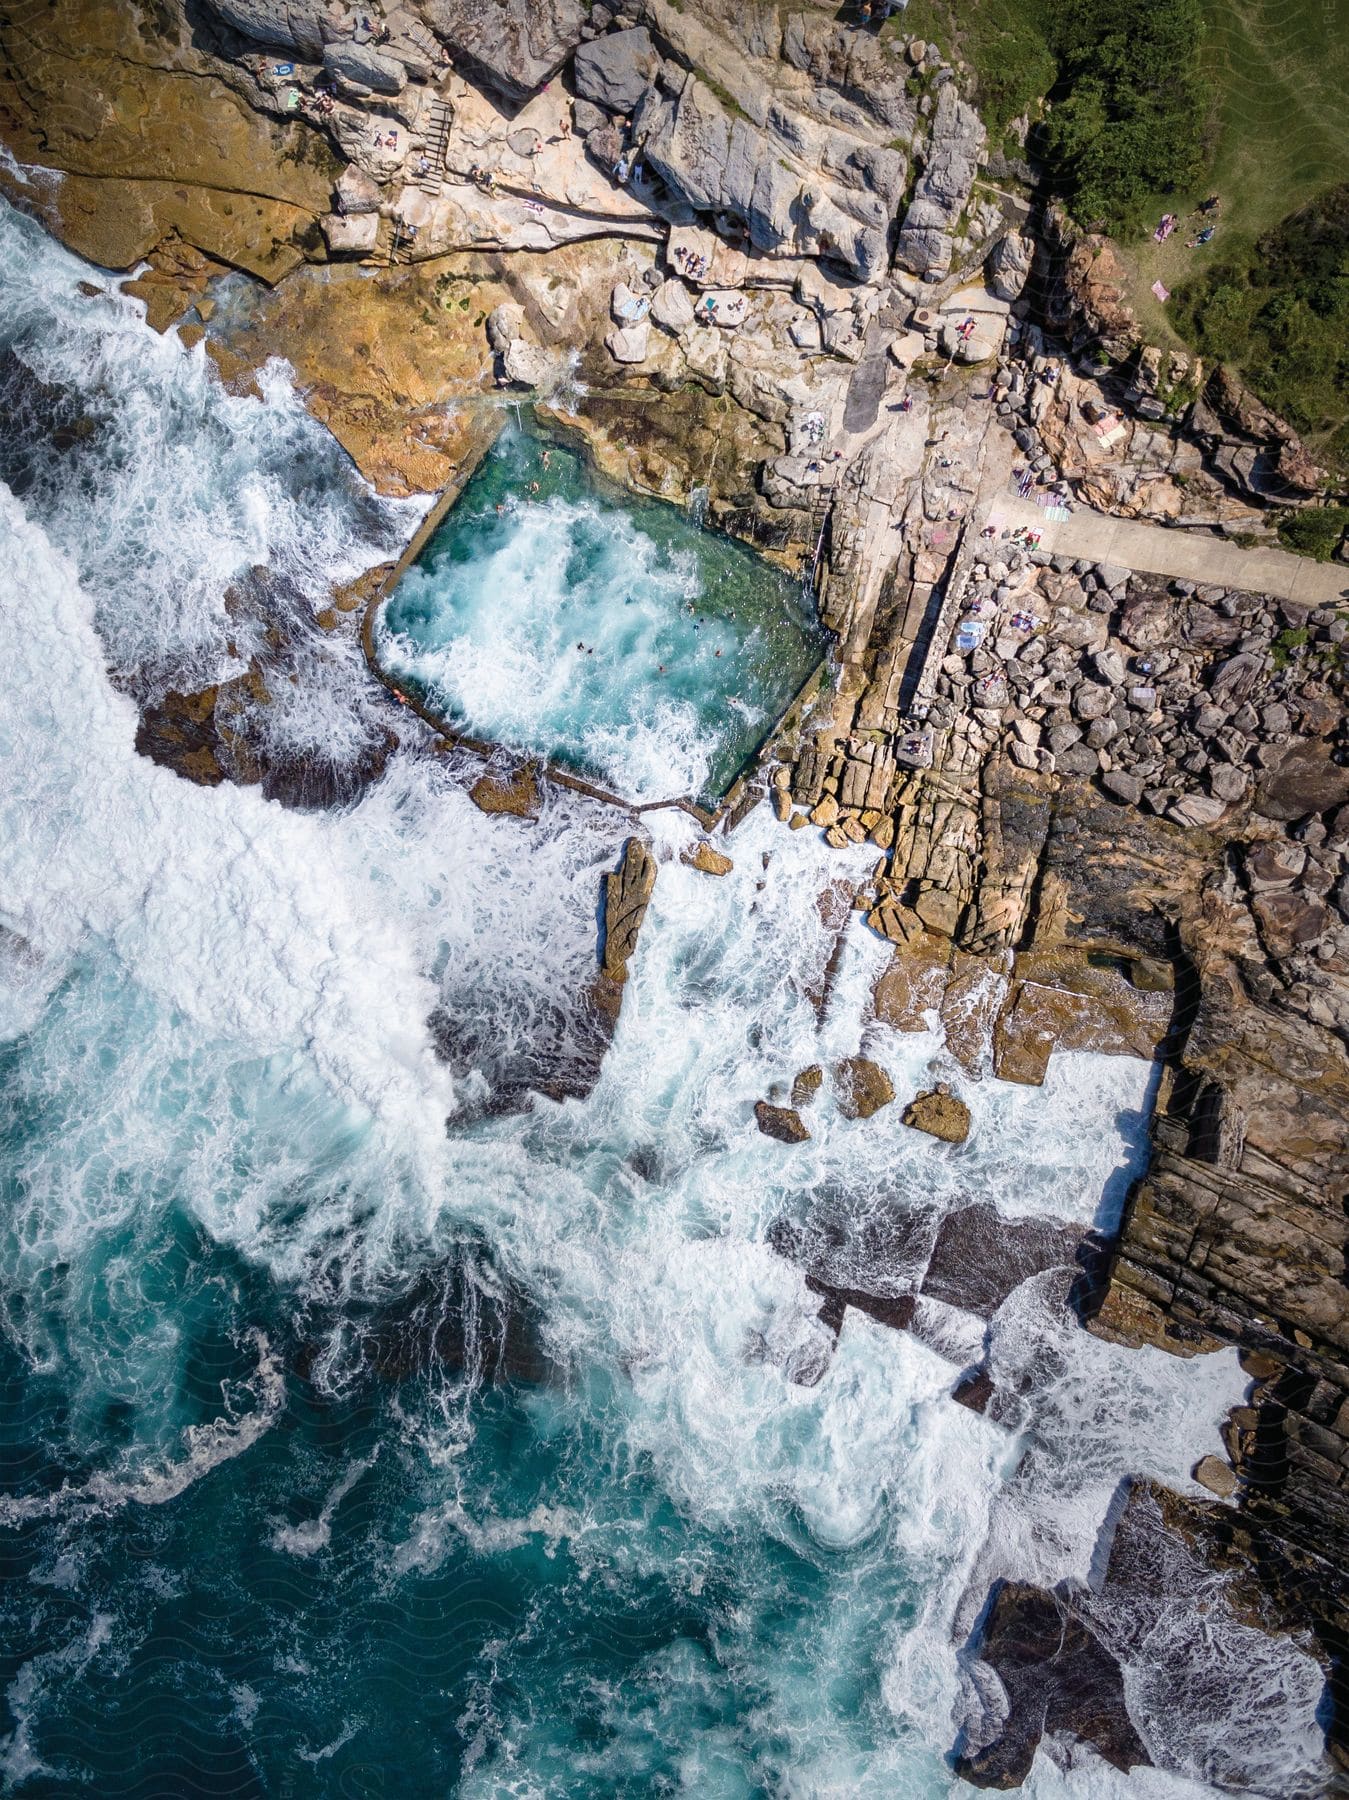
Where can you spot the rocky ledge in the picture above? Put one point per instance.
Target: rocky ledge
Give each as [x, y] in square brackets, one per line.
[753, 255]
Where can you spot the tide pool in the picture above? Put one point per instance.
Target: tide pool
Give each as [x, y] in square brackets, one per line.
[552, 613]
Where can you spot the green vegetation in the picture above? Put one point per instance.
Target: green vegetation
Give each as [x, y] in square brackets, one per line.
[1150, 107]
[1129, 108]
[1279, 312]
[1002, 42]
[1314, 530]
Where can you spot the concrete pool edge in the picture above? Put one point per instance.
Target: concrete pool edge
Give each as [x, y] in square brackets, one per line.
[731, 807]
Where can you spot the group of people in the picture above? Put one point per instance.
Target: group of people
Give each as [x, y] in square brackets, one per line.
[692, 263]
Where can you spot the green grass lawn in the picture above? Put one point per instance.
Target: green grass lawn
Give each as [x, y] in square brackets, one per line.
[1280, 75]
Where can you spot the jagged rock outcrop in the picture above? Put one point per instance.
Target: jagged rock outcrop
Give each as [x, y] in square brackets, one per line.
[626, 896]
[926, 239]
[800, 190]
[513, 45]
[615, 70]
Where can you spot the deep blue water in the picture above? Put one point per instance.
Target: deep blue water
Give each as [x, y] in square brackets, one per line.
[363, 1438]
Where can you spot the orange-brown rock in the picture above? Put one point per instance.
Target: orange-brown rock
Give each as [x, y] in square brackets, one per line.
[517, 794]
[710, 861]
[152, 142]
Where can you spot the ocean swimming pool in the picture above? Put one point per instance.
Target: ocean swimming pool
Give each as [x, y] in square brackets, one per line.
[552, 613]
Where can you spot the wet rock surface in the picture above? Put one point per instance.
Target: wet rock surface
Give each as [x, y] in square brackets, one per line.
[941, 1114]
[1057, 1676]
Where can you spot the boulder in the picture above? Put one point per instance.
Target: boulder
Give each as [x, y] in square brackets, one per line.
[629, 343]
[513, 45]
[615, 70]
[525, 365]
[356, 192]
[672, 306]
[939, 1113]
[1197, 810]
[925, 244]
[863, 1087]
[703, 857]
[363, 66]
[781, 1122]
[1306, 779]
[353, 236]
[1009, 264]
[1122, 786]
[504, 324]
[517, 794]
[1213, 1473]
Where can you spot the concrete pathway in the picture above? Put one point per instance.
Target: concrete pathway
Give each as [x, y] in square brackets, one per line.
[1156, 550]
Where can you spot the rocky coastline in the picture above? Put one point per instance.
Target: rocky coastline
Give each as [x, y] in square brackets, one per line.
[757, 255]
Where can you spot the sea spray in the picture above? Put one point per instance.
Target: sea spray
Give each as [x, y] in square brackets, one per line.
[232, 1151]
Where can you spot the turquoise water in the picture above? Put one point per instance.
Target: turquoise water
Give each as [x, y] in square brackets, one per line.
[610, 633]
[361, 1439]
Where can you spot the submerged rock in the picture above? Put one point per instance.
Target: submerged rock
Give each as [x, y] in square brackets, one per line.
[517, 794]
[1058, 1676]
[863, 1087]
[940, 1113]
[781, 1122]
[807, 1085]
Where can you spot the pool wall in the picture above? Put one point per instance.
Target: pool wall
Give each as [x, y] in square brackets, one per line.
[738, 800]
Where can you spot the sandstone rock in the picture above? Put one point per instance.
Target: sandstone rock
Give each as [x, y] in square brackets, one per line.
[943, 189]
[826, 813]
[939, 1113]
[626, 896]
[514, 45]
[525, 365]
[1197, 810]
[1122, 786]
[1009, 265]
[1213, 1473]
[828, 191]
[504, 324]
[353, 235]
[863, 1087]
[1228, 784]
[703, 857]
[629, 343]
[517, 794]
[615, 70]
[781, 1122]
[1305, 780]
[364, 67]
[298, 25]
[356, 192]
[672, 306]
[807, 1085]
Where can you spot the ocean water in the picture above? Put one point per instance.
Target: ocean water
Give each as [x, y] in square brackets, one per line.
[552, 613]
[361, 1438]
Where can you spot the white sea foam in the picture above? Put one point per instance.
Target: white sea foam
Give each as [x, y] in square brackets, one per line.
[224, 1005]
